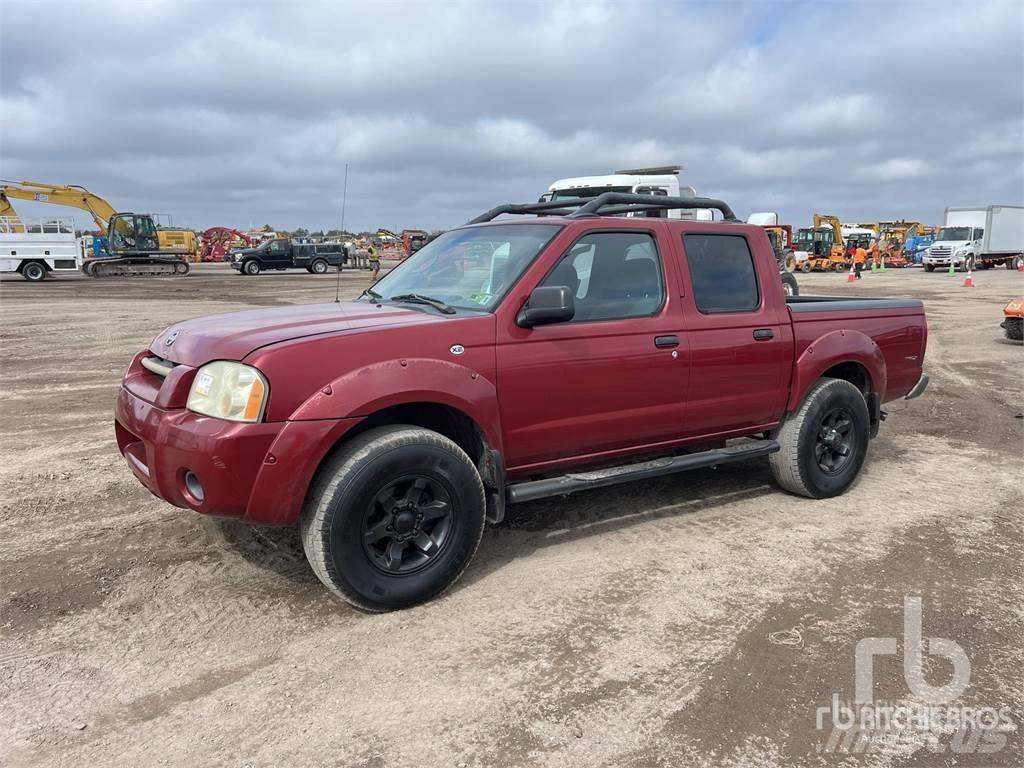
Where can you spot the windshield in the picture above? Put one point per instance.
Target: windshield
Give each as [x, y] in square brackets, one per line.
[468, 268]
[955, 233]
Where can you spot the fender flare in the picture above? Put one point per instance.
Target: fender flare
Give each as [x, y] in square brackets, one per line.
[835, 348]
[364, 391]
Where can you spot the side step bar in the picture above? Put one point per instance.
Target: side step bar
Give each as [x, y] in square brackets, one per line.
[599, 478]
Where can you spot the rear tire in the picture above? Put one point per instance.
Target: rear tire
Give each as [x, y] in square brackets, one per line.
[1013, 262]
[182, 268]
[318, 267]
[34, 272]
[1014, 327]
[790, 287]
[251, 267]
[393, 518]
[831, 427]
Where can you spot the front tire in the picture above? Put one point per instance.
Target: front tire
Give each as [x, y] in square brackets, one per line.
[1014, 327]
[393, 518]
[251, 267]
[929, 267]
[824, 443]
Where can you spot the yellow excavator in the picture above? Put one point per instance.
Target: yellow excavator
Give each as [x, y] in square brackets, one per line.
[135, 244]
[823, 243]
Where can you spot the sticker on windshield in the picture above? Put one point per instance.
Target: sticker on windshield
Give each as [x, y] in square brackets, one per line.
[480, 298]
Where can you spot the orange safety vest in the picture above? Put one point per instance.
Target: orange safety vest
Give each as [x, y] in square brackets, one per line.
[860, 255]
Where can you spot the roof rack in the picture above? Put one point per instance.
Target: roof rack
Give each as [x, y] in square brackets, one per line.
[607, 204]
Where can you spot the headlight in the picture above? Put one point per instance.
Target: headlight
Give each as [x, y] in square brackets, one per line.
[229, 391]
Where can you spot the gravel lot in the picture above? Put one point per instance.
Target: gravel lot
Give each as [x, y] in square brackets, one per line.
[699, 619]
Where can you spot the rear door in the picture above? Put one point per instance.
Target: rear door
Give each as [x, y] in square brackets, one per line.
[612, 378]
[738, 330]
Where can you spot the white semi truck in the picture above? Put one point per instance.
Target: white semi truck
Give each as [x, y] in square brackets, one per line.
[973, 238]
[662, 181]
[35, 248]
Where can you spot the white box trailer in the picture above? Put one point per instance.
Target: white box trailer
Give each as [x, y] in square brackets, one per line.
[35, 248]
[979, 237]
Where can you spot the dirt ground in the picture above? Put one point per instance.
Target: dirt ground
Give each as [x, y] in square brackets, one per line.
[699, 619]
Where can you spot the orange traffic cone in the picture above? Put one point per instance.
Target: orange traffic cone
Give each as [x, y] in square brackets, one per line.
[969, 280]
[850, 277]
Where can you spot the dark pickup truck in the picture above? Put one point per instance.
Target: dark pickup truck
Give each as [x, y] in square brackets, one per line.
[576, 349]
[282, 253]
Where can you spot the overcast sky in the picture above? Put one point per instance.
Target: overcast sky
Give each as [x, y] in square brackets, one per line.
[245, 113]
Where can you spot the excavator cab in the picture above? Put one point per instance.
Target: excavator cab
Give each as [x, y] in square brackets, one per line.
[132, 234]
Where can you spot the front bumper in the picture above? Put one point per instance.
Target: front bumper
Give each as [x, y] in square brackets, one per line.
[236, 265]
[258, 472]
[918, 389]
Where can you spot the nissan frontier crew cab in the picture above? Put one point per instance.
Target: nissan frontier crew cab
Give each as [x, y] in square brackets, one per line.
[540, 350]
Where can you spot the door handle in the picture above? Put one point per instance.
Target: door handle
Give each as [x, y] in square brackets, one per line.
[666, 342]
[763, 334]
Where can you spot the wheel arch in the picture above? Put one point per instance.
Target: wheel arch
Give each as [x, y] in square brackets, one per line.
[448, 420]
[849, 355]
[41, 262]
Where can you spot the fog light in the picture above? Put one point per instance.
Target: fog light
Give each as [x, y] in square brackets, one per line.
[193, 485]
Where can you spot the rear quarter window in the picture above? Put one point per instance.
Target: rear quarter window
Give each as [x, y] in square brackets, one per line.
[722, 270]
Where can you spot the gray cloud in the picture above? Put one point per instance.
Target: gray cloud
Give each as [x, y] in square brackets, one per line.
[242, 113]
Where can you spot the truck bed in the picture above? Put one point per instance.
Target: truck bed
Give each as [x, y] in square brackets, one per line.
[896, 328]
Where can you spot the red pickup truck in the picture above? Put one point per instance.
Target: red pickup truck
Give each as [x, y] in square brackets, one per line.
[565, 348]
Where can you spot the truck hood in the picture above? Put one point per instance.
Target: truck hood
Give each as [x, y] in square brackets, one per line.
[234, 335]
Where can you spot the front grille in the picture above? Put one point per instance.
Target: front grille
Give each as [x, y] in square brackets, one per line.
[941, 250]
[158, 365]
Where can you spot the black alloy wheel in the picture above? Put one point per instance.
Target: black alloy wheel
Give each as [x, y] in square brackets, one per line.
[407, 524]
[836, 441]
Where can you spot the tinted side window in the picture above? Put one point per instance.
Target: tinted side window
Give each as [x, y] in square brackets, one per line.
[612, 275]
[722, 270]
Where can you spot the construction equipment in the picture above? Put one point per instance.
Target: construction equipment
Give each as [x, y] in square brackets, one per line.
[1013, 319]
[135, 244]
[892, 239]
[216, 243]
[413, 240]
[823, 244]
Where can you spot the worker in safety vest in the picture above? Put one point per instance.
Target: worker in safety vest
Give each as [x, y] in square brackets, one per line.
[373, 256]
[859, 257]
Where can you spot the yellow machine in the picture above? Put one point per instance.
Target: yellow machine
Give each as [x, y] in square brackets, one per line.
[823, 243]
[892, 237]
[175, 241]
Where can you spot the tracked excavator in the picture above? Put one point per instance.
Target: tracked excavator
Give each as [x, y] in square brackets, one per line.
[135, 244]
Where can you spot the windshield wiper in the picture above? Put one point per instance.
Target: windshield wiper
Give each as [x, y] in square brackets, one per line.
[371, 293]
[417, 298]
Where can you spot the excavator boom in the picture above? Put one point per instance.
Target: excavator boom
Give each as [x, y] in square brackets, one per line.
[72, 196]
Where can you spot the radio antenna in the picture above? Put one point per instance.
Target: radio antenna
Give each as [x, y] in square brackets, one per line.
[344, 249]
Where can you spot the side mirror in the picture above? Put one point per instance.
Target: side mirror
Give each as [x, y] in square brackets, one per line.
[547, 304]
